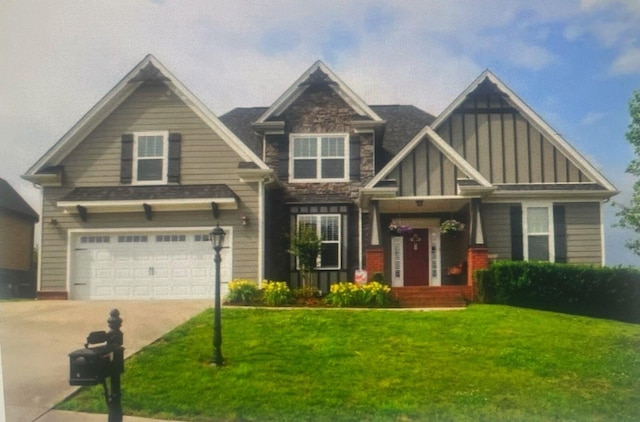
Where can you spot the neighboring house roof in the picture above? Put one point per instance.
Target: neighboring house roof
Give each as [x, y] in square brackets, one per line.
[488, 78]
[11, 200]
[148, 69]
[318, 73]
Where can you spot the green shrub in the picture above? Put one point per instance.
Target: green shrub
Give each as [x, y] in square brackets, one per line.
[243, 292]
[371, 294]
[306, 295]
[577, 289]
[275, 293]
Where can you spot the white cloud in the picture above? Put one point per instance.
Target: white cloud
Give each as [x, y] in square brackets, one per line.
[592, 117]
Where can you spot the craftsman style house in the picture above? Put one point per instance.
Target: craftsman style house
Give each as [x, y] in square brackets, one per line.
[132, 190]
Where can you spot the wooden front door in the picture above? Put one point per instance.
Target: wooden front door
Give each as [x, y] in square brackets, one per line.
[416, 258]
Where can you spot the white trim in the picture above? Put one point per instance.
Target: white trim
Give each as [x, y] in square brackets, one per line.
[295, 90]
[165, 158]
[319, 158]
[73, 233]
[198, 204]
[558, 141]
[602, 236]
[261, 230]
[318, 218]
[360, 238]
[440, 144]
[434, 234]
[550, 227]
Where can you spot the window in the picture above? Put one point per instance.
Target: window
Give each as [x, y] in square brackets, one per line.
[171, 238]
[328, 228]
[538, 233]
[319, 157]
[132, 239]
[94, 239]
[150, 157]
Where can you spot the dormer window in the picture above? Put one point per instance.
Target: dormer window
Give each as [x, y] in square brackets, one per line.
[150, 157]
[319, 158]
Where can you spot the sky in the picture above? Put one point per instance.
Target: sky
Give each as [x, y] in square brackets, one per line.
[575, 62]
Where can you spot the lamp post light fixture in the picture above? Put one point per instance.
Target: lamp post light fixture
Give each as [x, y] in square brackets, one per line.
[217, 240]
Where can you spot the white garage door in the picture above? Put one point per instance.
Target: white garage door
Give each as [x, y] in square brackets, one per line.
[146, 265]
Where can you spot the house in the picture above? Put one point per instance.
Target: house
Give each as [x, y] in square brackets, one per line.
[132, 190]
[17, 223]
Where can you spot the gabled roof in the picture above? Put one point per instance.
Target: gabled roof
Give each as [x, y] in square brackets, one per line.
[239, 121]
[318, 73]
[487, 78]
[12, 201]
[403, 122]
[149, 69]
[432, 136]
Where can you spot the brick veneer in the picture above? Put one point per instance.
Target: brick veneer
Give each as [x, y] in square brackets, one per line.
[374, 262]
[477, 259]
[47, 295]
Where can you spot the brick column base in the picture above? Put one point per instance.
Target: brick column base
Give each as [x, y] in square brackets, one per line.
[477, 259]
[374, 262]
[48, 295]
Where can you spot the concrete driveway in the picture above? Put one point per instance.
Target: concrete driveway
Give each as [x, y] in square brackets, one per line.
[37, 336]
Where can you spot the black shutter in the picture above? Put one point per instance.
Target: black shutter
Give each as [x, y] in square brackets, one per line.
[517, 246]
[126, 158]
[560, 233]
[283, 157]
[173, 172]
[354, 157]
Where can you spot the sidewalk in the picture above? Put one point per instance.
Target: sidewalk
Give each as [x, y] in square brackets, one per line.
[65, 416]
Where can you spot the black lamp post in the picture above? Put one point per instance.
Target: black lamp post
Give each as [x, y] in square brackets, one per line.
[217, 240]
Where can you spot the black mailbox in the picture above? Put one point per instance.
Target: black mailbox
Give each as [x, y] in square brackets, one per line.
[89, 366]
[104, 359]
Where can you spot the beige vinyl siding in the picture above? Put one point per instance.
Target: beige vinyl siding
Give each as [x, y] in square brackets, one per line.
[497, 229]
[583, 225]
[16, 242]
[205, 159]
[584, 241]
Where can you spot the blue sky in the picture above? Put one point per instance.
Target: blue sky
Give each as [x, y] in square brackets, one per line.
[576, 62]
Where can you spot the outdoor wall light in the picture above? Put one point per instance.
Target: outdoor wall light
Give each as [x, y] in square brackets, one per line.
[245, 220]
[217, 238]
[419, 202]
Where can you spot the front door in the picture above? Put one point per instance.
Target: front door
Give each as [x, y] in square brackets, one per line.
[416, 258]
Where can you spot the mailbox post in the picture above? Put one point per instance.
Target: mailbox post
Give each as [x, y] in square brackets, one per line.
[94, 364]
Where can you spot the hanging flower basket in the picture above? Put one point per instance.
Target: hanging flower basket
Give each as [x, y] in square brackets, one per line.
[399, 229]
[451, 226]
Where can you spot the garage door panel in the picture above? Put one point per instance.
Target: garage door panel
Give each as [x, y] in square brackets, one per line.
[139, 265]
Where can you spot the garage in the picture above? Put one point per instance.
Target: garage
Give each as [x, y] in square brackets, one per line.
[161, 264]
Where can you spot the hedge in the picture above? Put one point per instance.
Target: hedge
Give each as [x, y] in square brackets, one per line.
[603, 292]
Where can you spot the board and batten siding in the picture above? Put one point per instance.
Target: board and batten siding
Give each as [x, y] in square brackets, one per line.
[583, 231]
[503, 146]
[205, 159]
[425, 171]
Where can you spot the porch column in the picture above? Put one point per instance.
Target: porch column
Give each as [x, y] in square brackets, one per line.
[477, 259]
[374, 262]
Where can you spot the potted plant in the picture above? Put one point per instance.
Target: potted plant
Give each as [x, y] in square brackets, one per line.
[399, 229]
[451, 226]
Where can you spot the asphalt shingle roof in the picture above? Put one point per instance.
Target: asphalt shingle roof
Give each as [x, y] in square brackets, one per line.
[403, 122]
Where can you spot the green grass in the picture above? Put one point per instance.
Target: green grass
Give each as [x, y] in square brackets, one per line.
[484, 363]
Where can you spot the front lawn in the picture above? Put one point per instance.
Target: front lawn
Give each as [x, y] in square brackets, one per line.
[482, 363]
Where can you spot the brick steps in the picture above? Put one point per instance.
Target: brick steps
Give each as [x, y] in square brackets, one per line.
[433, 297]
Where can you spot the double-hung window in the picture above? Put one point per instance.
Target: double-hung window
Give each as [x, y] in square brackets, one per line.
[538, 233]
[327, 227]
[150, 157]
[317, 158]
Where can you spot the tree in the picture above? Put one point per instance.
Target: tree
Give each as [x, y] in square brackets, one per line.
[630, 215]
[305, 245]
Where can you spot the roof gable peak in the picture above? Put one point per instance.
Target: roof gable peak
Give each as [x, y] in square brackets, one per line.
[318, 74]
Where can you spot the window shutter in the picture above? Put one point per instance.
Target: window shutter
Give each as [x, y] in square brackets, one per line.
[283, 157]
[354, 157]
[560, 233]
[517, 246]
[126, 158]
[173, 173]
